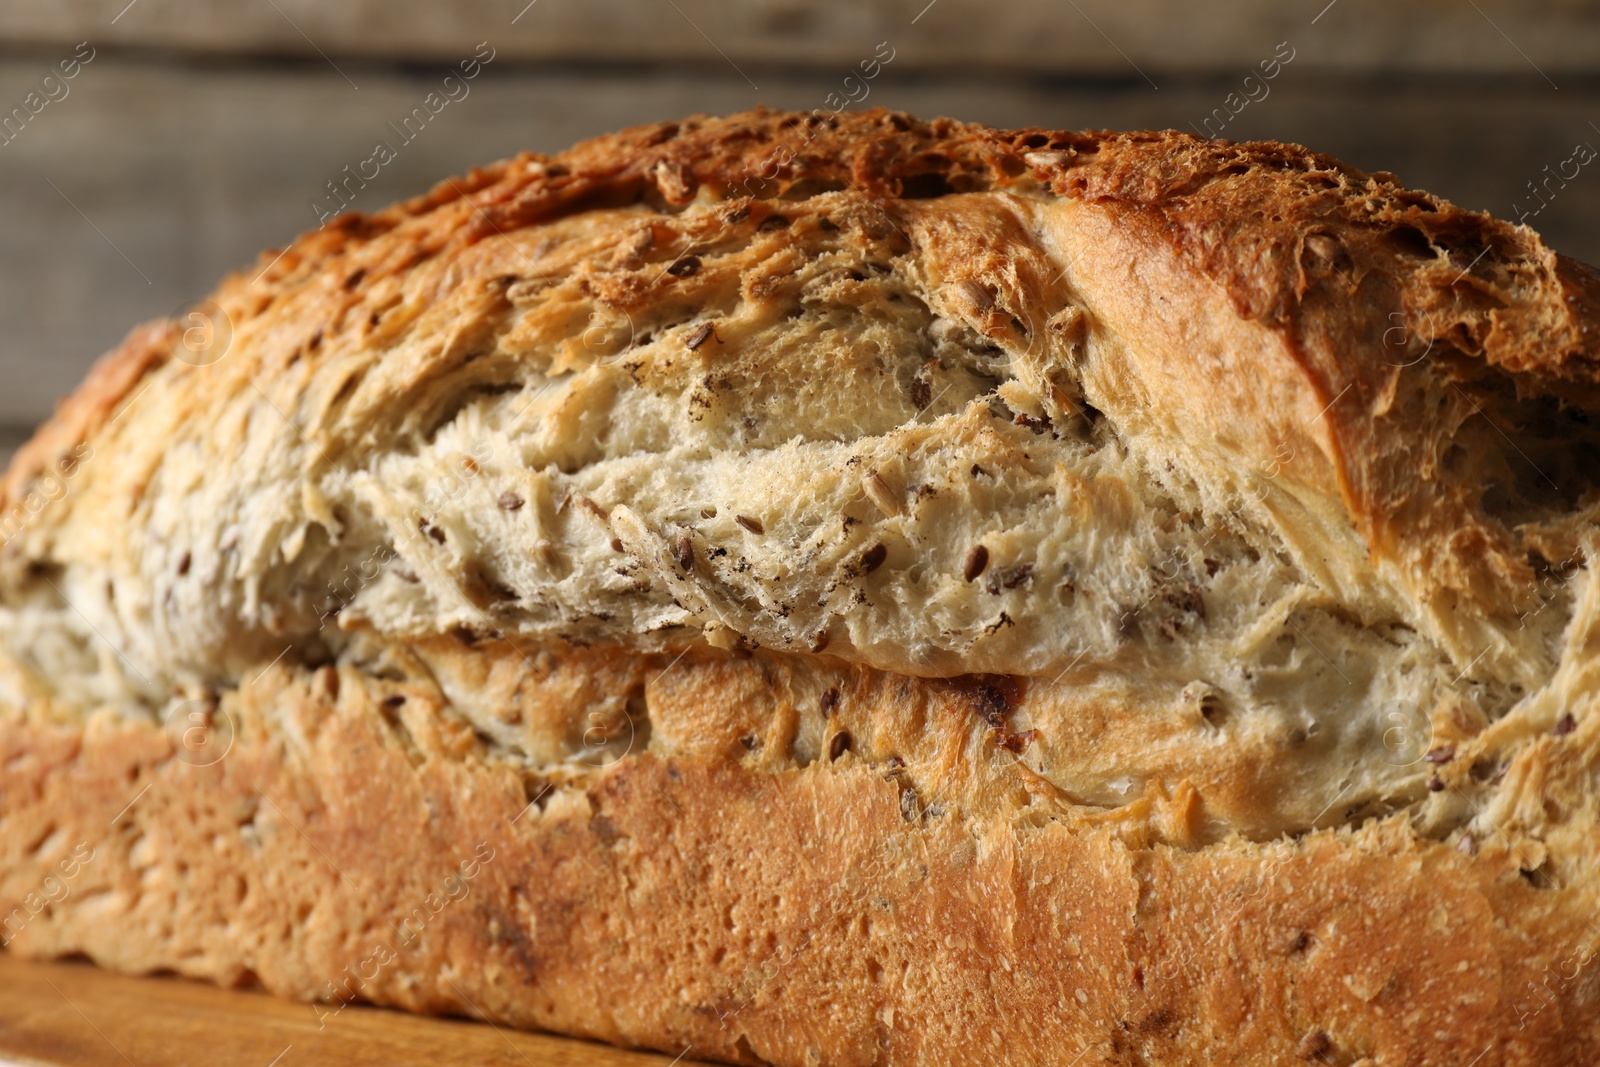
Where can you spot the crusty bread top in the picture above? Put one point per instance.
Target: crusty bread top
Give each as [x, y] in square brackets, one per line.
[1199, 429]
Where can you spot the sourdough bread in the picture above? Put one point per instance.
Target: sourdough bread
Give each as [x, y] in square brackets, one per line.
[842, 589]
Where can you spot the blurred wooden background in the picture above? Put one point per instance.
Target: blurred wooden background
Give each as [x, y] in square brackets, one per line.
[202, 130]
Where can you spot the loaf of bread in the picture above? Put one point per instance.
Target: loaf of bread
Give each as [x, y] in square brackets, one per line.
[811, 589]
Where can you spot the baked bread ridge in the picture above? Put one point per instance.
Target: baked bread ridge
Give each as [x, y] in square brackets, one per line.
[1182, 364]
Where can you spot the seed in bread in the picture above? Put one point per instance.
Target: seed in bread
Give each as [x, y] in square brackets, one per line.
[880, 590]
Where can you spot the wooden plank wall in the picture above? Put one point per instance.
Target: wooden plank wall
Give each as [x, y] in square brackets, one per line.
[202, 130]
[1094, 38]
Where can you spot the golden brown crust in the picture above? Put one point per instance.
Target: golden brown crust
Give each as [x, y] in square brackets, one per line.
[812, 916]
[112, 379]
[1393, 309]
[1118, 596]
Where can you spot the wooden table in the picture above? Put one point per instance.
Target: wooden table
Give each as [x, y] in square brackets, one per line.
[74, 1013]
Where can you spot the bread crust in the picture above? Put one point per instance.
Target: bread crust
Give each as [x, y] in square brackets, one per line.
[1259, 729]
[1377, 304]
[811, 916]
[805, 917]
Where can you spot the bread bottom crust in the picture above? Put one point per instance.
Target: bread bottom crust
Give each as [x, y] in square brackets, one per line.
[798, 917]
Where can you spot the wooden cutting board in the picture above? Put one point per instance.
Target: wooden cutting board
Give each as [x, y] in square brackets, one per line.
[74, 1013]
